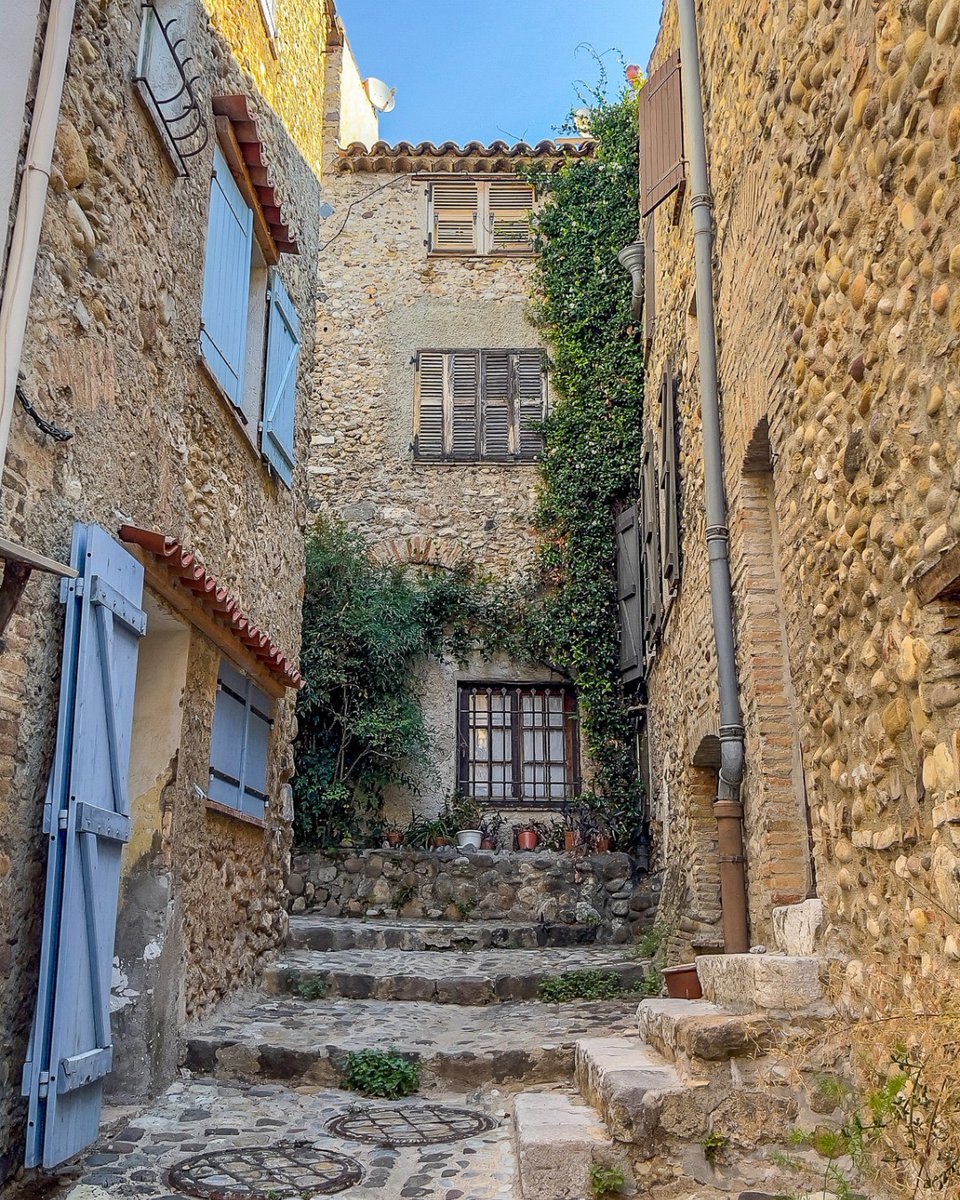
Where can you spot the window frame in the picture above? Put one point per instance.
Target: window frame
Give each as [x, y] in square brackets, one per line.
[571, 736]
[517, 458]
[483, 234]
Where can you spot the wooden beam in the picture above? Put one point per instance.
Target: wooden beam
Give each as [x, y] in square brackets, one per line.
[942, 580]
[12, 553]
[238, 168]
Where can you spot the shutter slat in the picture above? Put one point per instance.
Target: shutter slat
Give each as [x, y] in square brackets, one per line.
[498, 404]
[532, 408]
[662, 168]
[428, 444]
[463, 383]
[509, 203]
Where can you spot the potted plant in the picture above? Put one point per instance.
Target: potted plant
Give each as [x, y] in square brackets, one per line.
[394, 838]
[528, 836]
[465, 818]
[490, 830]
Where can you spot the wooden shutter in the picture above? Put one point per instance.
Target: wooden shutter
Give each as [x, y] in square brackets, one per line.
[650, 554]
[531, 403]
[499, 404]
[662, 169]
[629, 600]
[253, 796]
[649, 280]
[428, 440]
[463, 384]
[454, 206]
[280, 385]
[239, 744]
[509, 202]
[669, 482]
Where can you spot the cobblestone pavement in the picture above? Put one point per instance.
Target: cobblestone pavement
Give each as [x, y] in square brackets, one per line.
[195, 1116]
[460, 977]
[309, 930]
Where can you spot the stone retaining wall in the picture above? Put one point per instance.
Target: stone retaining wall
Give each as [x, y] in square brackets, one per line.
[604, 891]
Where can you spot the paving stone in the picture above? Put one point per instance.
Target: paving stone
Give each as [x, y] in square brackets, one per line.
[558, 1139]
[309, 931]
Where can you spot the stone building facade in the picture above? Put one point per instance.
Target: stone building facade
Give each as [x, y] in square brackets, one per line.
[418, 288]
[832, 130]
[201, 481]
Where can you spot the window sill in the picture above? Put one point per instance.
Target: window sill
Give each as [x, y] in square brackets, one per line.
[475, 462]
[224, 810]
[474, 257]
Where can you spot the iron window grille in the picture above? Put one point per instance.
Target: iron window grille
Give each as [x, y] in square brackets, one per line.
[165, 83]
[518, 744]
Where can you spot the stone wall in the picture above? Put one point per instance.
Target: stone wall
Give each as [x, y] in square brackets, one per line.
[111, 355]
[604, 893]
[832, 129]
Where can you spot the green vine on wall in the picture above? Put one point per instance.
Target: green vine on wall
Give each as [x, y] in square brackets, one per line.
[593, 434]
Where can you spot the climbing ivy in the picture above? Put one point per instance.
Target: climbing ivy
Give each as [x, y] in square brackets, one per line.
[593, 434]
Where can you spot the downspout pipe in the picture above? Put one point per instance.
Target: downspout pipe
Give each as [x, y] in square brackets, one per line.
[15, 304]
[728, 807]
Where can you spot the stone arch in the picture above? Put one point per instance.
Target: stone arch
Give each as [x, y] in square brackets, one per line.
[444, 553]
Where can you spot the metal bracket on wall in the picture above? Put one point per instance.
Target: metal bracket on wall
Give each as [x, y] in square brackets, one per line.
[18, 565]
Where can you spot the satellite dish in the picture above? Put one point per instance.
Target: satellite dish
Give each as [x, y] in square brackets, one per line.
[381, 95]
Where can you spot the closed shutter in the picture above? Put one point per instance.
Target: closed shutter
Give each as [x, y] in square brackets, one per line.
[240, 742]
[669, 482]
[253, 798]
[226, 281]
[454, 207]
[428, 440]
[280, 386]
[649, 280]
[661, 136]
[499, 404]
[531, 405]
[650, 555]
[629, 595]
[509, 202]
[463, 381]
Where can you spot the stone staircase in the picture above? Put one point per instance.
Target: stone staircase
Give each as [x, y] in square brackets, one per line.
[683, 1098]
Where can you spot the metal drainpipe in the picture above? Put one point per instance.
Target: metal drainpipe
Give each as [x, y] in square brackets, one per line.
[728, 807]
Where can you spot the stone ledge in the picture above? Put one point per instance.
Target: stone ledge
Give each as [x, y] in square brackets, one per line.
[769, 983]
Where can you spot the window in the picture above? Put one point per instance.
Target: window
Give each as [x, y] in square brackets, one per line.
[249, 332]
[518, 744]
[469, 216]
[476, 405]
[163, 82]
[239, 746]
[268, 10]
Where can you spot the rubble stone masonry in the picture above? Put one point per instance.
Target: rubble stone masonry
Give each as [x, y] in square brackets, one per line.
[833, 129]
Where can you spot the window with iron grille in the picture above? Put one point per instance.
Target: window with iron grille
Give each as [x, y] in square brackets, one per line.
[487, 217]
[518, 744]
[474, 405]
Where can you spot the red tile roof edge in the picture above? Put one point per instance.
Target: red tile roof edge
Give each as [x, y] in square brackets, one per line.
[194, 577]
[247, 131]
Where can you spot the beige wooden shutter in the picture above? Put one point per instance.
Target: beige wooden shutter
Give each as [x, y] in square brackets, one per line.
[662, 166]
[428, 442]
[509, 202]
[454, 205]
[498, 404]
[629, 601]
[531, 402]
[463, 383]
[650, 555]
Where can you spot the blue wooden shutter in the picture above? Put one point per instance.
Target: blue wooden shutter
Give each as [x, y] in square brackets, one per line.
[280, 388]
[259, 724]
[226, 281]
[227, 738]
[87, 821]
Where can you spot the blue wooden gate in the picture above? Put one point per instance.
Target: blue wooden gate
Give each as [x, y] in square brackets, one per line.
[87, 822]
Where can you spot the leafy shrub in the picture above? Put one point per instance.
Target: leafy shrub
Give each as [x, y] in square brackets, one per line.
[312, 989]
[581, 985]
[380, 1073]
[605, 1181]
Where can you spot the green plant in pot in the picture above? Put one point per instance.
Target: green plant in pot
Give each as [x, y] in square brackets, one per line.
[490, 828]
[465, 817]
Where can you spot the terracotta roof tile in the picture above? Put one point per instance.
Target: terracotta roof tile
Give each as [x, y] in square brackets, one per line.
[449, 156]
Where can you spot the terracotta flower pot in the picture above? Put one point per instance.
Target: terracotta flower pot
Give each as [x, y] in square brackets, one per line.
[603, 844]
[527, 839]
[394, 838]
[570, 839]
[682, 982]
[440, 841]
[486, 843]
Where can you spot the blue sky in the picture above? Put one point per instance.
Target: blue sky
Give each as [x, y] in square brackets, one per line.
[488, 69]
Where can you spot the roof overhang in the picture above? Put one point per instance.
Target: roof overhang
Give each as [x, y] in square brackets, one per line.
[474, 158]
[191, 581]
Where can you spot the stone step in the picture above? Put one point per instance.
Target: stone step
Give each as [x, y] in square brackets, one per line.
[558, 1139]
[466, 977]
[309, 931]
[777, 984]
[701, 1038]
[307, 1042]
[639, 1095]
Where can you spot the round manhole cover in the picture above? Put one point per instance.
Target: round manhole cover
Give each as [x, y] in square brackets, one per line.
[416, 1125]
[287, 1171]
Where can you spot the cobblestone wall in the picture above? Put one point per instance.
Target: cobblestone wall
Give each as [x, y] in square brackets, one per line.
[111, 355]
[833, 129]
[604, 891]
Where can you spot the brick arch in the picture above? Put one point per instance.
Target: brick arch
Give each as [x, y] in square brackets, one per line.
[443, 553]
